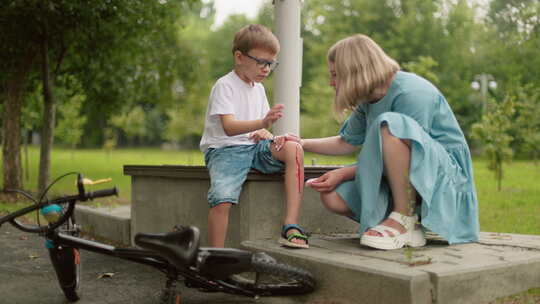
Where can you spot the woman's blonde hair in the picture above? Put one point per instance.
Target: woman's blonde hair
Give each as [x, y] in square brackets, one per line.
[255, 36]
[362, 68]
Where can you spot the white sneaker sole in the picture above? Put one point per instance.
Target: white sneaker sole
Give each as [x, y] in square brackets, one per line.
[414, 238]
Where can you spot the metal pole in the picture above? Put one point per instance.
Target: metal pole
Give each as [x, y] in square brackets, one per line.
[287, 78]
[483, 80]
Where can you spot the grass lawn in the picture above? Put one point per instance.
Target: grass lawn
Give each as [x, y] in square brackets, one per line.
[514, 209]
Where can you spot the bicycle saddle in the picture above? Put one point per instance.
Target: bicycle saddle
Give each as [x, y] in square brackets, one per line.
[178, 247]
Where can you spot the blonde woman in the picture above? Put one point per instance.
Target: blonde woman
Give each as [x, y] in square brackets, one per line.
[414, 170]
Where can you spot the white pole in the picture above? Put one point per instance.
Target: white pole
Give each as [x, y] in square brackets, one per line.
[287, 78]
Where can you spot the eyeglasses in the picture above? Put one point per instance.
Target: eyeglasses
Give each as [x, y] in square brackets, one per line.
[261, 63]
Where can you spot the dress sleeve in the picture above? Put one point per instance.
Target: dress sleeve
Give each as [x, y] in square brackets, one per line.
[419, 105]
[221, 100]
[353, 129]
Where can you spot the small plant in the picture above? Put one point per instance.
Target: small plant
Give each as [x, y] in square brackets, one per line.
[494, 131]
[408, 251]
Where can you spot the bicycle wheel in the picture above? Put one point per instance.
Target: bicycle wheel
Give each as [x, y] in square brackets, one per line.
[67, 263]
[271, 278]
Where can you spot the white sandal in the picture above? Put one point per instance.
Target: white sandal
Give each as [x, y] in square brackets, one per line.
[413, 237]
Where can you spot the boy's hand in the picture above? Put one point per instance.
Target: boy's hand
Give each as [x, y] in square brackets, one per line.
[259, 135]
[280, 140]
[275, 113]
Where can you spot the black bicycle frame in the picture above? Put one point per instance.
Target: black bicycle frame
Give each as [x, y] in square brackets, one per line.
[133, 254]
[149, 258]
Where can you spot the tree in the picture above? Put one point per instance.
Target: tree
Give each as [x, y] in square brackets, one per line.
[494, 130]
[132, 122]
[16, 60]
[527, 125]
[80, 38]
[69, 129]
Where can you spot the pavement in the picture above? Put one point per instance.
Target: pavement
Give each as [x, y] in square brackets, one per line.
[27, 277]
[497, 266]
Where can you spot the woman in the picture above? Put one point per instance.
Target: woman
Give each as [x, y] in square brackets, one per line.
[414, 171]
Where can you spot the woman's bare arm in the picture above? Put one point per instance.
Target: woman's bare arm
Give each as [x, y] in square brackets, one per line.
[334, 145]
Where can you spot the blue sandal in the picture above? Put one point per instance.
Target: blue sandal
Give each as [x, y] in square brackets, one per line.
[287, 240]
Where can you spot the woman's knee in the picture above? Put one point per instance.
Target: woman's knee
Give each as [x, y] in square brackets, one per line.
[388, 138]
[333, 202]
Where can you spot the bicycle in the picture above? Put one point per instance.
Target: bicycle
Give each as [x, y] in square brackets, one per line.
[177, 254]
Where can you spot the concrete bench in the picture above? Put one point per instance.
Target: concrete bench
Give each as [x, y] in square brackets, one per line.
[163, 196]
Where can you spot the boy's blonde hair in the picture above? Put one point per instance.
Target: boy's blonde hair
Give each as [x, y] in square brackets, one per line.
[362, 67]
[255, 36]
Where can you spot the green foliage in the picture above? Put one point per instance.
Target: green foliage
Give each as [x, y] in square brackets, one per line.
[165, 55]
[527, 124]
[69, 128]
[494, 131]
[424, 67]
[70, 120]
[132, 122]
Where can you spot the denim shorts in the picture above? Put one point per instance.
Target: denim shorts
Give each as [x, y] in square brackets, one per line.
[228, 168]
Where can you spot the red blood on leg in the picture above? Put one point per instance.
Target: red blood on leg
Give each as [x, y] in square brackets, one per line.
[299, 172]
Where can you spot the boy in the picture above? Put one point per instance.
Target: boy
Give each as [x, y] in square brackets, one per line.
[236, 138]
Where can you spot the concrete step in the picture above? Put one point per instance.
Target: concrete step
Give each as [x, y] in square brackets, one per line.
[108, 223]
[499, 265]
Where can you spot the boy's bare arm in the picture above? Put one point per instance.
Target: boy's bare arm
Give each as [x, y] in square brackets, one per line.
[233, 127]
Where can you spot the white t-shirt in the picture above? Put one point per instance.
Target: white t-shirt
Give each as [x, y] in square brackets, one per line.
[232, 95]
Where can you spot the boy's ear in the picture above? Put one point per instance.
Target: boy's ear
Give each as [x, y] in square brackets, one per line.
[237, 56]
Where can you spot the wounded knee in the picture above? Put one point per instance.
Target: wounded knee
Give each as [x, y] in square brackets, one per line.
[293, 146]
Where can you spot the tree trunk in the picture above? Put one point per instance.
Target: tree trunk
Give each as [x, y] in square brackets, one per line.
[11, 123]
[49, 111]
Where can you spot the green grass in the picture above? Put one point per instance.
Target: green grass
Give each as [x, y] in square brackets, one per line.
[514, 209]
[97, 164]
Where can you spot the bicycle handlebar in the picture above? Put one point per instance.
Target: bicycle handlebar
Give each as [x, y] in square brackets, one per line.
[102, 193]
[70, 200]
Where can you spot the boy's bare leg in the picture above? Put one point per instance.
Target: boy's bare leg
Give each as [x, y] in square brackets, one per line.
[292, 155]
[218, 222]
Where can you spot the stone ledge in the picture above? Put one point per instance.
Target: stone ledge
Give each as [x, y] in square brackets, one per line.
[164, 196]
[113, 224]
[200, 172]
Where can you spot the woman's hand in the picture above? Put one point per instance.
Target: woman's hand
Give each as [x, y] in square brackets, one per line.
[331, 179]
[280, 140]
[260, 134]
[326, 182]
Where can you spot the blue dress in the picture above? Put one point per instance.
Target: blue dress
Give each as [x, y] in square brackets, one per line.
[441, 166]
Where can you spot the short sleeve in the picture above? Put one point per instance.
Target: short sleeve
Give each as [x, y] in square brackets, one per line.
[265, 106]
[221, 100]
[419, 105]
[353, 129]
